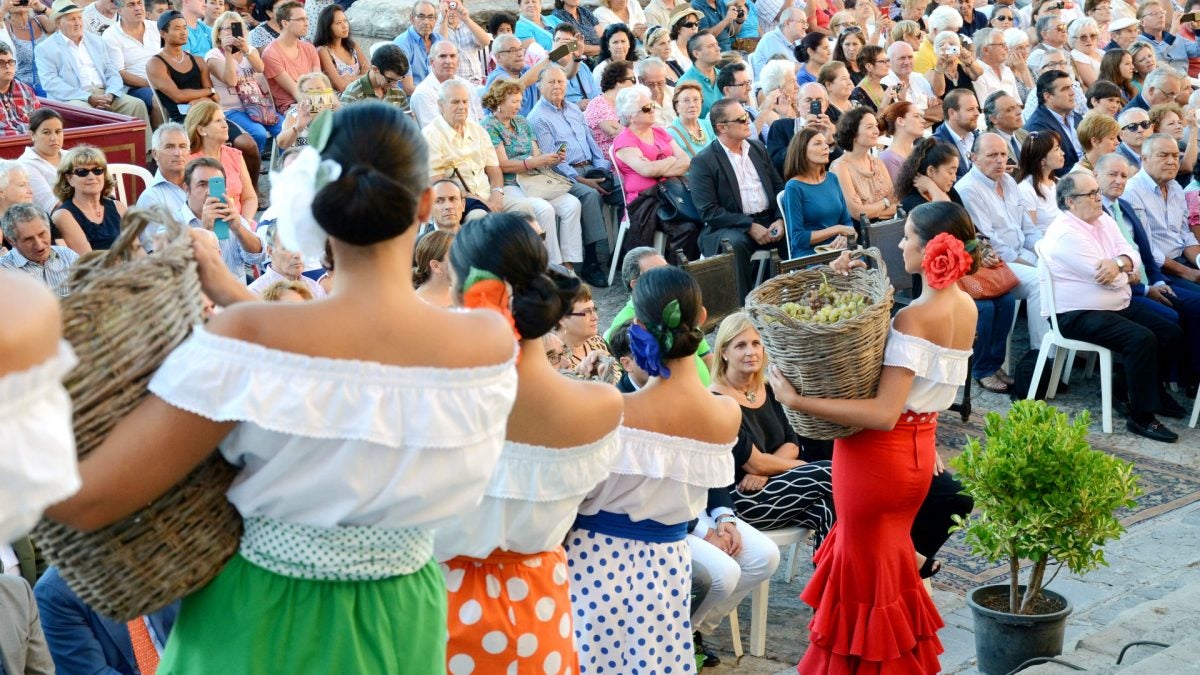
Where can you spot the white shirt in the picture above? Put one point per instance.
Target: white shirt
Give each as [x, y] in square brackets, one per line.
[753, 194]
[424, 100]
[128, 53]
[330, 442]
[531, 499]
[42, 177]
[89, 75]
[95, 22]
[661, 478]
[939, 370]
[1072, 249]
[1044, 208]
[918, 92]
[990, 82]
[636, 14]
[1004, 220]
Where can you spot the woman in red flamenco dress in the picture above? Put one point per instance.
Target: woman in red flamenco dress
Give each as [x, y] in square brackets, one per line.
[872, 615]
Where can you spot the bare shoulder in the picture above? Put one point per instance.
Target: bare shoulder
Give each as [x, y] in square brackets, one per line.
[32, 325]
[603, 403]
[949, 322]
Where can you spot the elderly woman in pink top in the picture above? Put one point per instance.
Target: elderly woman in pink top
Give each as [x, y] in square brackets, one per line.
[645, 153]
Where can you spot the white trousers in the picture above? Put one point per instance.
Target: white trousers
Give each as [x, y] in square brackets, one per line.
[732, 578]
[560, 220]
[1030, 290]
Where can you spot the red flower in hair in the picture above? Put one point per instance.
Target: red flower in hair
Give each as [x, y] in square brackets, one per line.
[491, 294]
[946, 260]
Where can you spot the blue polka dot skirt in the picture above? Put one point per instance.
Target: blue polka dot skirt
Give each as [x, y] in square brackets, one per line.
[630, 602]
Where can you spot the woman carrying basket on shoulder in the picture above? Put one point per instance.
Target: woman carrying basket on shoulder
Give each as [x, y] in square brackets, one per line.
[867, 567]
[352, 444]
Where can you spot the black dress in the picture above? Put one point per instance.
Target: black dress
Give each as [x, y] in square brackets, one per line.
[100, 235]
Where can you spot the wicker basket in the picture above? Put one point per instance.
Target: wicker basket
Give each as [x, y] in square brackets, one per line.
[123, 315]
[841, 360]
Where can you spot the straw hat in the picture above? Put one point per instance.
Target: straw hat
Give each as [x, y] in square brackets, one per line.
[62, 8]
[682, 11]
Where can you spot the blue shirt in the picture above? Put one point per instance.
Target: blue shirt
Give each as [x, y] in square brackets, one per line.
[413, 46]
[708, 87]
[526, 29]
[750, 26]
[582, 85]
[554, 126]
[808, 208]
[1165, 220]
[528, 97]
[771, 44]
[710, 17]
[199, 39]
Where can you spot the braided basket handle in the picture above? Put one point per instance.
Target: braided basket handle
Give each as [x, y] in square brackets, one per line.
[874, 254]
[133, 224]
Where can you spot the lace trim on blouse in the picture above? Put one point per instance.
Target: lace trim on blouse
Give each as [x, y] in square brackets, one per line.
[685, 460]
[926, 359]
[229, 380]
[539, 474]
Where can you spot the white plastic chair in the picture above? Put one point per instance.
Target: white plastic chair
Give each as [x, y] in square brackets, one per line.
[118, 173]
[660, 238]
[787, 235]
[1054, 338]
[1195, 413]
[790, 537]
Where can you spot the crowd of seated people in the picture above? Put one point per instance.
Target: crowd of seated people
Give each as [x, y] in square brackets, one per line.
[786, 125]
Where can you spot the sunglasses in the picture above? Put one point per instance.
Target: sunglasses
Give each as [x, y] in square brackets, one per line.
[744, 119]
[1134, 126]
[649, 108]
[95, 171]
[689, 24]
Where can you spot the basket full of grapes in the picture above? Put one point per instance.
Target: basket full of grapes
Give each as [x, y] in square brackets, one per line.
[826, 333]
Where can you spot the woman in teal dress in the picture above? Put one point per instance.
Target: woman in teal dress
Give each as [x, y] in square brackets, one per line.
[689, 130]
[358, 424]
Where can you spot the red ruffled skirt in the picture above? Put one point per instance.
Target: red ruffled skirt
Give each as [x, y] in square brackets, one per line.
[872, 615]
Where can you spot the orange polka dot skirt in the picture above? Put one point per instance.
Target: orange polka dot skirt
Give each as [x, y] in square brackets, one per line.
[510, 614]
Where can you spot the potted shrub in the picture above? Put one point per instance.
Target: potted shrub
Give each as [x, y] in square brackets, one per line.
[1043, 494]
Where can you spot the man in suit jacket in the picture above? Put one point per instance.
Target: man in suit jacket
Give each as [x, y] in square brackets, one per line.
[734, 186]
[1003, 114]
[88, 79]
[83, 641]
[961, 111]
[22, 645]
[1056, 112]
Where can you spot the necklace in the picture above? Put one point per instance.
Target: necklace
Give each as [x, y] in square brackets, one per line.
[750, 394]
[698, 138]
[176, 60]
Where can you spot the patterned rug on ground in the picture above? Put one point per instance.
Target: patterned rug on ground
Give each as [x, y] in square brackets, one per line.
[1166, 486]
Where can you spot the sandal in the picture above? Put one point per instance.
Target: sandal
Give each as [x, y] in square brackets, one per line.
[993, 384]
[931, 567]
[1004, 377]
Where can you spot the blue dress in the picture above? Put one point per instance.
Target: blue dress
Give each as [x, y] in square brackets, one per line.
[808, 208]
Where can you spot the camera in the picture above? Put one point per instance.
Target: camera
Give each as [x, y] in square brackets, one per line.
[453, 5]
[741, 13]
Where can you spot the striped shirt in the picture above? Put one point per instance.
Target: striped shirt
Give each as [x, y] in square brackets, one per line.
[53, 272]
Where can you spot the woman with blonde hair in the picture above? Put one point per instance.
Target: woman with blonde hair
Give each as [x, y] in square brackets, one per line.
[1098, 135]
[1083, 36]
[234, 66]
[88, 217]
[431, 268]
[1169, 118]
[287, 291]
[208, 131]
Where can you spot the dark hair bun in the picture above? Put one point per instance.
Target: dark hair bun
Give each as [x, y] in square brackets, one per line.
[385, 169]
[654, 291]
[541, 303]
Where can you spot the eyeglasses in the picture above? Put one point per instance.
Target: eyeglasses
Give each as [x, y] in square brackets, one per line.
[740, 84]
[591, 311]
[556, 355]
[1094, 194]
[627, 79]
[883, 62]
[8, 63]
[744, 119]
[95, 171]
[426, 17]
[1002, 18]
[512, 50]
[1134, 126]
[1087, 36]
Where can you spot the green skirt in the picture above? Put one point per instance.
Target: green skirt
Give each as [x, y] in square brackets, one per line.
[249, 620]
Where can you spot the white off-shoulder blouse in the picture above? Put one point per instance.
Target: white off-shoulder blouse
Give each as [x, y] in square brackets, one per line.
[531, 500]
[38, 465]
[939, 370]
[660, 477]
[329, 442]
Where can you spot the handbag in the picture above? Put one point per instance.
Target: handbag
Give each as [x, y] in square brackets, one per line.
[258, 106]
[675, 201]
[543, 184]
[989, 282]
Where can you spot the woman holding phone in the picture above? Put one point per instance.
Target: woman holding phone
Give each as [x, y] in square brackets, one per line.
[235, 65]
[316, 96]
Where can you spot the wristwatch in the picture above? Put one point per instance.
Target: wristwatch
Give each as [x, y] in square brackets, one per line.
[726, 518]
[887, 203]
[1120, 260]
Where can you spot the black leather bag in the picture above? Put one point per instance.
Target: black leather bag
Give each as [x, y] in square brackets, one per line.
[675, 201]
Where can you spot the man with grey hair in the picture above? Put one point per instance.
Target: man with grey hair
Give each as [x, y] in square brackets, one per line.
[1002, 112]
[1162, 85]
[991, 198]
[637, 262]
[443, 67]
[781, 40]
[1051, 32]
[14, 184]
[171, 150]
[419, 39]
[991, 51]
[28, 228]
[1160, 205]
[944, 18]
[510, 63]
[1093, 266]
[915, 90]
[559, 124]
[1043, 61]
[1135, 126]
[652, 74]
